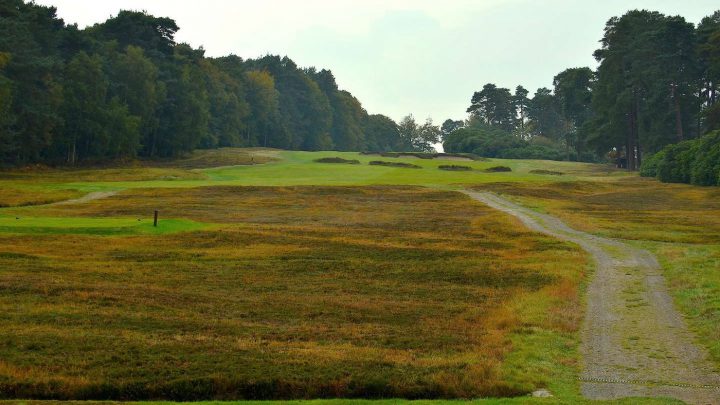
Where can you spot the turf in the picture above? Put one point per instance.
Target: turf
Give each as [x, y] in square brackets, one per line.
[95, 226]
[297, 168]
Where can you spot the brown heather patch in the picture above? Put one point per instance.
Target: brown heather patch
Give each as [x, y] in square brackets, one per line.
[298, 292]
[18, 197]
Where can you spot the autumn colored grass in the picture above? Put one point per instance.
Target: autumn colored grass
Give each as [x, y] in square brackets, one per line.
[295, 292]
[285, 278]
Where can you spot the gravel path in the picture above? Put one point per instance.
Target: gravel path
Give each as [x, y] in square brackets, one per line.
[634, 342]
[98, 195]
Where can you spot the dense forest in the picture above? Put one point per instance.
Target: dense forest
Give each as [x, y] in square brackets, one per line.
[656, 84]
[124, 88]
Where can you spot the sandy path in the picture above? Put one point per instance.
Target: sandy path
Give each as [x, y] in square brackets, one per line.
[98, 195]
[634, 341]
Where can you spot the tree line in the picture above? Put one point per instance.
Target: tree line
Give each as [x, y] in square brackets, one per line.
[125, 88]
[656, 84]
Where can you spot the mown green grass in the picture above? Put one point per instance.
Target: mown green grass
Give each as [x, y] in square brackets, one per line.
[95, 226]
[298, 168]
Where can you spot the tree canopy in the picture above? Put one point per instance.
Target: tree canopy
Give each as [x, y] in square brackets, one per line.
[656, 84]
[125, 88]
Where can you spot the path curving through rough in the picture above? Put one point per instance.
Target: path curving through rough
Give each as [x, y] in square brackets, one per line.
[634, 342]
[97, 195]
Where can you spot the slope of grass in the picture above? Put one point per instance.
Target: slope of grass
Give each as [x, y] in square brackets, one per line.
[43, 185]
[282, 168]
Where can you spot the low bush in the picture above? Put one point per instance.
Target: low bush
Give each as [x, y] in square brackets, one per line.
[425, 155]
[337, 160]
[696, 161]
[649, 167]
[457, 168]
[491, 142]
[498, 169]
[394, 164]
[705, 168]
[548, 172]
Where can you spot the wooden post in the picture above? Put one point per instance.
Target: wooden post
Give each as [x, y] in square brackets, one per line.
[155, 219]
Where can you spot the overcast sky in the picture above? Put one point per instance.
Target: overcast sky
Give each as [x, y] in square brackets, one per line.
[424, 57]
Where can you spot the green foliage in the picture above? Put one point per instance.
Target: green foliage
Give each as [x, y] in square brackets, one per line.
[416, 137]
[483, 141]
[547, 172]
[498, 169]
[381, 134]
[449, 126]
[124, 88]
[675, 167]
[646, 83]
[696, 162]
[394, 164]
[658, 82]
[494, 106]
[493, 142]
[705, 170]
[337, 160]
[650, 165]
[455, 168]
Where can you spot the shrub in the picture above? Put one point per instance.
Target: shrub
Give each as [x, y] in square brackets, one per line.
[548, 172]
[394, 164]
[492, 142]
[425, 155]
[675, 166]
[705, 168]
[498, 169]
[649, 167]
[457, 168]
[337, 160]
[696, 161]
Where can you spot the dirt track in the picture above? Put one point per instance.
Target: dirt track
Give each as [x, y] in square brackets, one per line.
[98, 195]
[634, 342]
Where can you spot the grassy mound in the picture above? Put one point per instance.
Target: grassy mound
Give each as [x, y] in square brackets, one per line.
[425, 155]
[548, 172]
[337, 160]
[455, 168]
[394, 164]
[498, 169]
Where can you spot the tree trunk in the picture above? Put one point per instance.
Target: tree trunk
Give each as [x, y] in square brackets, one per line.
[632, 148]
[72, 153]
[678, 113]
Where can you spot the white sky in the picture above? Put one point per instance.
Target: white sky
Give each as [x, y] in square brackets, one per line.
[424, 57]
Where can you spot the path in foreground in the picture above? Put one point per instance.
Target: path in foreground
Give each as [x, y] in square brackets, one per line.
[634, 342]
